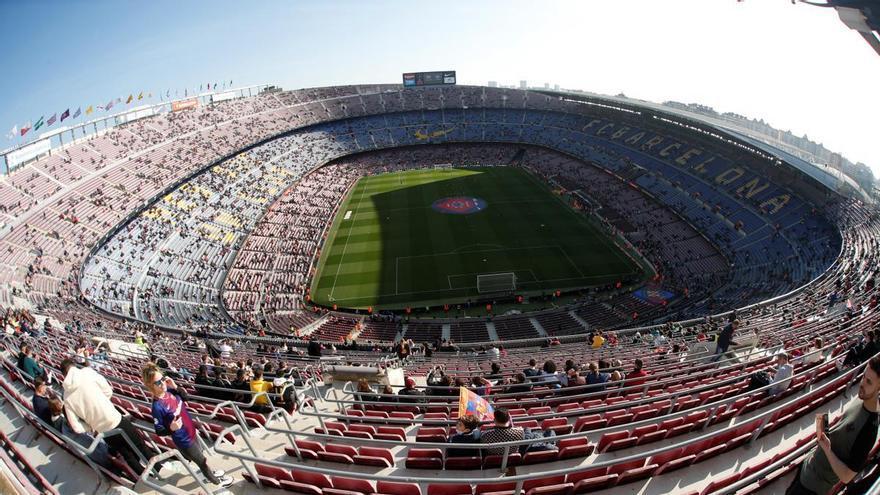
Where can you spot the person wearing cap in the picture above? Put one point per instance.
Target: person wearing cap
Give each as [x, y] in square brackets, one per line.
[409, 393]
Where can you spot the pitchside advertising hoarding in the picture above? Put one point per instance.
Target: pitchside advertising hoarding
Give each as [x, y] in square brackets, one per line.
[412, 79]
[184, 104]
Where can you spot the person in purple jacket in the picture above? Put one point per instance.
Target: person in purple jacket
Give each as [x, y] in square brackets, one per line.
[170, 417]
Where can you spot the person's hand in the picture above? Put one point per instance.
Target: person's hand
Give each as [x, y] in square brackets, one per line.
[169, 383]
[823, 441]
[176, 424]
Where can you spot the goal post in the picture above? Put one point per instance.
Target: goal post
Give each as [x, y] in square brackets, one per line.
[496, 282]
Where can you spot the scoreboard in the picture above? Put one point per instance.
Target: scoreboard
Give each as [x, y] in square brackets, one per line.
[412, 79]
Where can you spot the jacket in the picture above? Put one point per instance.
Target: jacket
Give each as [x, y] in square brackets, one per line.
[87, 401]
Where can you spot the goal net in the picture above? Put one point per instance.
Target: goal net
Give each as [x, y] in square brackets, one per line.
[496, 282]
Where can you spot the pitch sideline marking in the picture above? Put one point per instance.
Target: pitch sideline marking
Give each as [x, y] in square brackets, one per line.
[348, 238]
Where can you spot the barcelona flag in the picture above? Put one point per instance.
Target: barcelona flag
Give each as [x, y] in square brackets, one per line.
[471, 403]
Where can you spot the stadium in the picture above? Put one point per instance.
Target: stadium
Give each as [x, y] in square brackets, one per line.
[399, 260]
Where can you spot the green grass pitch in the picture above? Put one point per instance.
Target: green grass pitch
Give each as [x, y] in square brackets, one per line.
[388, 248]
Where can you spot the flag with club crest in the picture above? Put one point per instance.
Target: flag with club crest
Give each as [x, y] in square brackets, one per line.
[79, 112]
[65, 114]
[471, 403]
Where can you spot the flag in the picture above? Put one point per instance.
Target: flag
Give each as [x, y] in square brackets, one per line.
[168, 94]
[200, 87]
[52, 119]
[39, 123]
[185, 91]
[230, 82]
[79, 112]
[13, 132]
[471, 403]
[25, 128]
[141, 95]
[90, 110]
[65, 115]
[150, 94]
[130, 97]
[215, 85]
[109, 105]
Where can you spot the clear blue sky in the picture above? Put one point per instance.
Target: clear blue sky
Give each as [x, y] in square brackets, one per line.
[797, 67]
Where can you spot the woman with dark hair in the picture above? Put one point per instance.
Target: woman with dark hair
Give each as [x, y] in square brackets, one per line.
[467, 430]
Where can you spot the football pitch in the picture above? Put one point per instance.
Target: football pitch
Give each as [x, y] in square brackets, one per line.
[422, 237]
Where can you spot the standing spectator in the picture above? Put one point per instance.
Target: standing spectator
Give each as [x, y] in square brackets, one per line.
[403, 350]
[171, 417]
[87, 407]
[724, 339]
[598, 340]
[101, 454]
[843, 448]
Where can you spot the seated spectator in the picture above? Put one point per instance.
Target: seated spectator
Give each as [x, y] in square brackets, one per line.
[258, 384]
[550, 377]
[221, 382]
[780, 377]
[532, 370]
[203, 381]
[481, 386]
[575, 379]
[504, 431]
[409, 393]
[28, 363]
[495, 373]
[493, 353]
[594, 377]
[467, 430]
[814, 354]
[40, 401]
[240, 384]
[637, 376]
[365, 391]
[518, 385]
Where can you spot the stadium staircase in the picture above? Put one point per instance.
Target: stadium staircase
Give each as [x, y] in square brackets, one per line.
[493, 335]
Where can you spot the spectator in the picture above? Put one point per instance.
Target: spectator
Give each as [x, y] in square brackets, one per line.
[41, 398]
[637, 376]
[598, 340]
[467, 430]
[724, 339]
[241, 384]
[87, 407]
[481, 386]
[549, 376]
[101, 454]
[532, 370]
[504, 431]
[519, 385]
[403, 350]
[409, 393]
[496, 373]
[780, 377]
[221, 382]
[493, 353]
[226, 349]
[843, 449]
[365, 392]
[257, 385]
[594, 377]
[203, 381]
[814, 354]
[28, 363]
[314, 348]
[575, 379]
[171, 417]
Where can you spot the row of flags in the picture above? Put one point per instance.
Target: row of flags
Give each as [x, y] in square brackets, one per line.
[43, 122]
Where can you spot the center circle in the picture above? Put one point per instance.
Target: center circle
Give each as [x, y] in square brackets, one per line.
[459, 205]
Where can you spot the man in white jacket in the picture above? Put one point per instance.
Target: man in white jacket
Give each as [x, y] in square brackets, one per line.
[89, 410]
